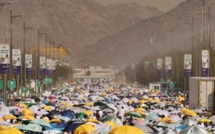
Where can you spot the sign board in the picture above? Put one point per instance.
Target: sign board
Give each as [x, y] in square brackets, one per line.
[4, 59]
[16, 55]
[28, 64]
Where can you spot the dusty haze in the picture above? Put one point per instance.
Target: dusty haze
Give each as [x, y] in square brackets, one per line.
[163, 5]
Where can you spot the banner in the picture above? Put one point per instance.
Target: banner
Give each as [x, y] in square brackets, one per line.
[168, 65]
[205, 63]
[49, 66]
[42, 65]
[16, 55]
[28, 64]
[159, 63]
[53, 66]
[187, 65]
[4, 59]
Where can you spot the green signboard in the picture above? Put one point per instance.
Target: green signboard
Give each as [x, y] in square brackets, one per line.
[171, 84]
[1, 84]
[48, 80]
[38, 83]
[11, 84]
[25, 89]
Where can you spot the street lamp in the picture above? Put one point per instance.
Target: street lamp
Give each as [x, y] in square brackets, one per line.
[25, 29]
[12, 17]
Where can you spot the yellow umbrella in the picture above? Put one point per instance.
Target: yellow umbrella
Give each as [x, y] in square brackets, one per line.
[27, 112]
[89, 103]
[139, 109]
[9, 117]
[181, 98]
[46, 119]
[10, 130]
[126, 130]
[55, 121]
[190, 113]
[2, 128]
[88, 112]
[48, 108]
[143, 101]
[112, 124]
[183, 110]
[177, 103]
[28, 117]
[93, 120]
[104, 93]
[85, 129]
[66, 104]
[167, 120]
[1, 119]
[150, 99]
[204, 120]
[21, 105]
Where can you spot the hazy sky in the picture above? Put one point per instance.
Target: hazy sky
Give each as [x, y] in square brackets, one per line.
[163, 5]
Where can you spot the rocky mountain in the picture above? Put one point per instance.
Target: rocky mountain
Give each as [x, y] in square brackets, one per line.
[74, 24]
[168, 31]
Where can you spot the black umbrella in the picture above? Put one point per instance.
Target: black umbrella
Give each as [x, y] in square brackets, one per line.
[72, 126]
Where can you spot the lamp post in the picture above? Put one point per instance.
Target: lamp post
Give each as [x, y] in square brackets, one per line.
[12, 17]
[25, 29]
[5, 75]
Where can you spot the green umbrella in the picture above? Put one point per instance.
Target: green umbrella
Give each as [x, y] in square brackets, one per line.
[107, 118]
[41, 122]
[29, 104]
[81, 115]
[29, 127]
[101, 104]
[134, 114]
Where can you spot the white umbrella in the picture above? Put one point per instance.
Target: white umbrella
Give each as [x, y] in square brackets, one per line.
[163, 112]
[194, 129]
[117, 121]
[52, 132]
[188, 122]
[5, 124]
[169, 131]
[175, 118]
[145, 129]
[125, 100]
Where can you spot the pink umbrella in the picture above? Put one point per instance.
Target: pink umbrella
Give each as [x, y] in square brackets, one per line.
[140, 122]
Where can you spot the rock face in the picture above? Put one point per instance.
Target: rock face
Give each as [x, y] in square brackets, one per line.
[75, 24]
[134, 42]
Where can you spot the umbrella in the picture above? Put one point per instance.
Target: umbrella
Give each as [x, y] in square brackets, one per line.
[112, 124]
[162, 124]
[175, 118]
[151, 117]
[9, 117]
[62, 107]
[10, 130]
[108, 110]
[188, 122]
[27, 117]
[126, 130]
[55, 121]
[52, 132]
[92, 120]
[29, 127]
[204, 120]
[134, 114]
[163, 112]
[117, 121]
[54, 113]
[41, 122]
[145, 129]
[64, 118]
[100, 104]
[88, 113]
[194, 129]
[167, 132]
[68, 113]
[72, 126]
[140, 122]
[107, 118]
[6, 124]
[84, 129]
